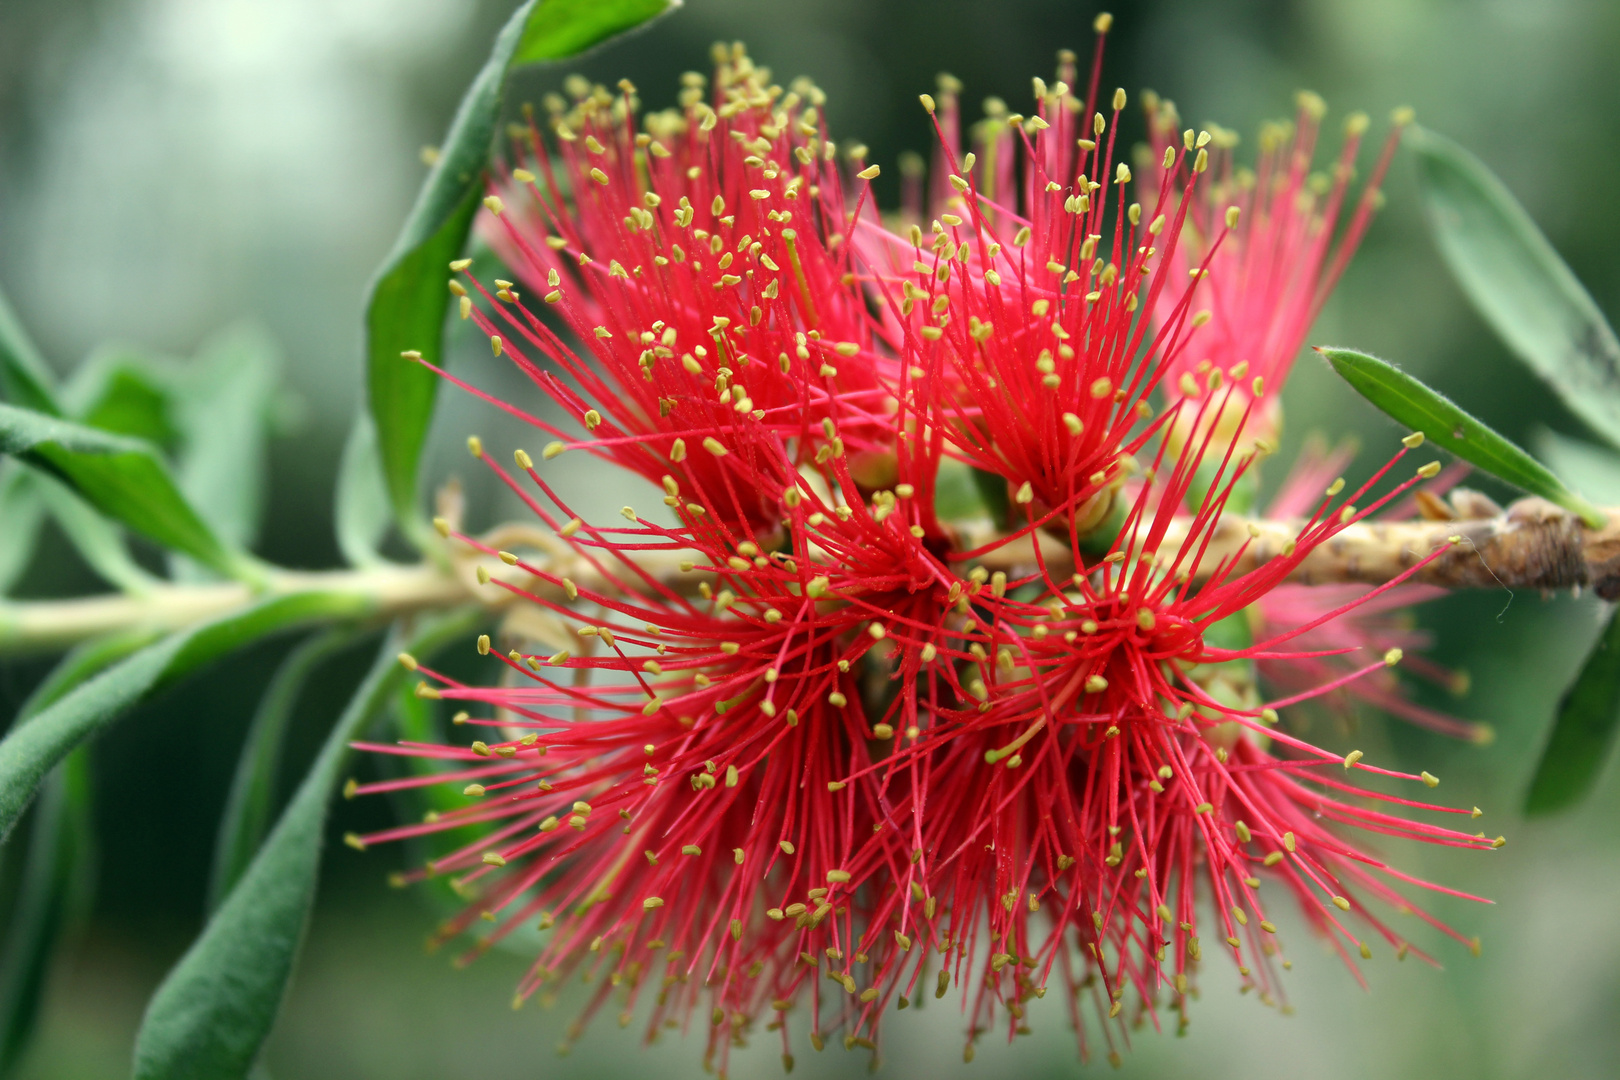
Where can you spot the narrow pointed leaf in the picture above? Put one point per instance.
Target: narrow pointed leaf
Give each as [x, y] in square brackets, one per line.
[360, 510]
[121, 393]
[250, 806]
[213, 1012]
[24, 377]
[1518, 282]
[1583, 729]
[564, 28]
[408, 300]
[223, 415]
[124, 478]
[23, 512]
[98, 541]
[51, 895]
[1418, 407]
[55, 886]
[29, 752]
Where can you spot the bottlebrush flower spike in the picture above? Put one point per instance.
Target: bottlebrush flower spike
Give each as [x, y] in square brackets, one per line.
[1016, 319]
[778, 726]
[1371, 627]
[1105, 784]
[702, 264]
[1268, 239]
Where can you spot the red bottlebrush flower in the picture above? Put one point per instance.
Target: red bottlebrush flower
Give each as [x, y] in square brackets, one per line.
[1267, 242]
[1369, 626]
[784, 755]
[1017, 319]
[1105, 775]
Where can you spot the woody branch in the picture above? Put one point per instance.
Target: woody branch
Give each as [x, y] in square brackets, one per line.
[1531, 545]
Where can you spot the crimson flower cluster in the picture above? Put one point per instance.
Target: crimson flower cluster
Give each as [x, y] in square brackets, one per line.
[808, 746]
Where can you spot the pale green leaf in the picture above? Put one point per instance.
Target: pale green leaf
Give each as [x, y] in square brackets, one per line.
[124, 478]
[1518, 283]
[360, 510]
[23, 512]
[25, 379]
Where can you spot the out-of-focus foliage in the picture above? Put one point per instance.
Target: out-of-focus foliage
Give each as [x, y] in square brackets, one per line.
[170, 167]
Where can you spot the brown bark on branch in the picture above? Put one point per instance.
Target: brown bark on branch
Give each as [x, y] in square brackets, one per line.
[1531, 545]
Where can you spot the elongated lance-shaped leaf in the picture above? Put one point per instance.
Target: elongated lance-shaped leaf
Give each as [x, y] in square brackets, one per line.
[124, 478]
[408, 299]
[30, 751]
[24, 378]
[250, 806]
[1583, 729]
[223, 416]
[56, 876]
[55, 884]
[213, 1012]
[360, 503]
[23, 512]
[1412, 404]
[1517, 281]
[98, 541]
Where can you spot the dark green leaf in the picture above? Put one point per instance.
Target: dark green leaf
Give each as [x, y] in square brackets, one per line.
[360, 510]
[23, 512]
[55, 886]
[30, 751]
[1518, 283]
[250, 807]
[408, 300]
[53, 893]
[1416, 406]
[222, 414]
[1583, 731]
[564, 28]
[98, 541]
[24, 377]
[128, 401]
[123, 478]
[212, 1014]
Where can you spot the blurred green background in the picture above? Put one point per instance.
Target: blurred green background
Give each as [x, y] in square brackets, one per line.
[169, 167]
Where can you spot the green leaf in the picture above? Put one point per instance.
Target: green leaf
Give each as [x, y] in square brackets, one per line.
[29, 752]
[360, 510]
[1592, 470]
[223, 413]
[213, 1012]
[98, 541]
[24, 377]
[123, 478]
[54, 891]
[51, 895]
[408, 298]
[1518, 283]
[1416, 406]
[23, 512]
[564, 28]
[250, 807]
[125, 400]
[1583, 730]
